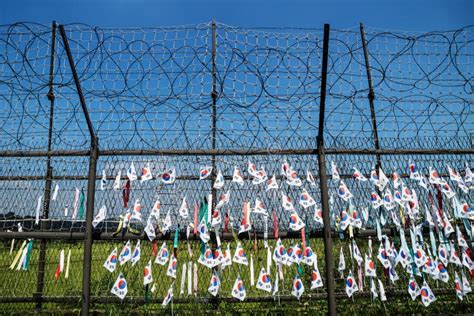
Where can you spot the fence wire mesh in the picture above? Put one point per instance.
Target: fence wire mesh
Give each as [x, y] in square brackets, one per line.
[159, 97]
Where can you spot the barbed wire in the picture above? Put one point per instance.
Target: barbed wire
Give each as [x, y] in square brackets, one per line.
[149, 88]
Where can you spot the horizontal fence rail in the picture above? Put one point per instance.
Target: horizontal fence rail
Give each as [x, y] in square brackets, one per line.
[81, 105]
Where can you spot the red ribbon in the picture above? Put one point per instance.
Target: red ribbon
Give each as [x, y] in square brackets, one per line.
[58, 272]
[226, 222]
[153, 248]
[126, 193]
[275, 225]
[196, 211]
[303, 238]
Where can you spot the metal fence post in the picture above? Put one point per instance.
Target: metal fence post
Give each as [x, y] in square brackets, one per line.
[371, 97]
[94, 154]
[49, 174]
[328, 253]
[214, 300]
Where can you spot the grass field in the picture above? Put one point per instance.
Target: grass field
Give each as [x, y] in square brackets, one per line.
[23, 284]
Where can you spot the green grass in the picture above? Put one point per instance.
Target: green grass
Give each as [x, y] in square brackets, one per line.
[23, 284]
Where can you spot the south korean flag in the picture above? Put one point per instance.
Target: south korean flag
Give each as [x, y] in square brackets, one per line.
[264, 282]
[120, 287]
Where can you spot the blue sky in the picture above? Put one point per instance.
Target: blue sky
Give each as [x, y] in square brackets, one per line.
[408, 15]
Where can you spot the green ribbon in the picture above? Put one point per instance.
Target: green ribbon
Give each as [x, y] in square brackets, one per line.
[119, 227]
[299, 270]
[175, 244]
[28, 255]
[81, 205]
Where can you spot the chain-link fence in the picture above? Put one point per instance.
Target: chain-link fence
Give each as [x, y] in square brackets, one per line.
[81, 104]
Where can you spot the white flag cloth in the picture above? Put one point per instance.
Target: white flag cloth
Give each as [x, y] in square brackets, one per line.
[237, 176]
[310, 178]
[190, 278]
[369, 267]
[38, 209]
[414, 174]
[227, 261]
[103, 181]
[205, 172]
[318, 215]
[207, 259]
[239, 255]
[55, 192]
[100, 216]
[146, 174]
[454, 175]
[117, 183]
[279, 254]
[131, 172]
[335, 171]
[458, 286]
[168, 297]
[203, 231]
[298, 287]
[259, 207]
[388, 201]
[68, 261]
[263, 282]
[296, 223]
[383, 180]
[427, 296]
[342, 262]
[292, 178]
[397, 181]
[351, 285]
[238, 290]
[215, 284]
[183, 279]
[137, 210]
[373, 289]
[466, 287]
[223, 199]
[252, 272]
[316, 280]
[147, 274]
[136, 253]
[466, 211]
[306, 200]
[183, 209]
[383, 298]
[413, 288]
[286, 202]
[163, 255]
[468, 178]
[260, 177]
[358, 175]
[111, 262]
[61, 260]
[166, 224]
[383, 257]
[275, 286]
[150, 230]
[169, 176]
[344, 192]
[376, 200]
[120, 287]
[219, 183]
[172, 267]
[126, 253]
[434, 177]
[309, 257]
[357, 253]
